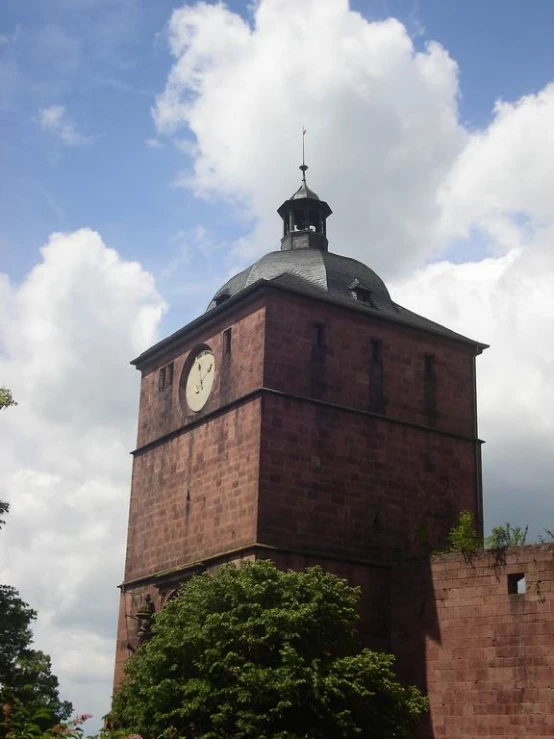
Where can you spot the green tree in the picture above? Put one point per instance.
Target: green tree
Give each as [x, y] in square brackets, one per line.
[26, 681]
[254, 652]
[27, 685]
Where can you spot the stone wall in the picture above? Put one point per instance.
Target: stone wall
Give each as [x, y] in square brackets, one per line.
[335, 481]
[196, 495]
[340, 371]
[338, 475]
[237, 374]
[483, 651]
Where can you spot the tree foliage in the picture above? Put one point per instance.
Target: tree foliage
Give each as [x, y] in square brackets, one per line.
[464, 537]
[254, 652]
[27, 685]
[502, 537]
[29, 724]
[547, 537]
[4, 508]
[6, 398]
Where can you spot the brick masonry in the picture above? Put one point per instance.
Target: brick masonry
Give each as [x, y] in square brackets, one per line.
[484, 656]
[335, 477]
[340, 371]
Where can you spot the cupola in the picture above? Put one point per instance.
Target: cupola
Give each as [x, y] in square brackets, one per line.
[304, 219]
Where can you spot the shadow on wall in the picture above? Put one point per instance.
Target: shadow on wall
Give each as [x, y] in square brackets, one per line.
[414, 624]
[477, 636]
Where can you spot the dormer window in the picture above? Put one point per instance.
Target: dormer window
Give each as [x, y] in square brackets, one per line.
[361, 293]
[220, 299]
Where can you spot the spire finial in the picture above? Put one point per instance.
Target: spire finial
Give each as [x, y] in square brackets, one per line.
[303, 166]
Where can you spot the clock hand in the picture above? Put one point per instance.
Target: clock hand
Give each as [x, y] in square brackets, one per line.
[207, 372]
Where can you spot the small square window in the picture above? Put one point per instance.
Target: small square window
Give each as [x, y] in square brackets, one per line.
[363, 295]
[517, 584]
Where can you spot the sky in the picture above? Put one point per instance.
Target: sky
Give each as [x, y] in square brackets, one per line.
[144, 149]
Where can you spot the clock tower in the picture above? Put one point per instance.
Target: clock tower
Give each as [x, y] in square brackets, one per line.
[304, 417]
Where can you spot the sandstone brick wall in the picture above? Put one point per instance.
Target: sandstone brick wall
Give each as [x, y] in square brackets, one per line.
[339, 482]
[485, 655]
[334, 480]
[195, 495]
[341, 373]
[162, 412]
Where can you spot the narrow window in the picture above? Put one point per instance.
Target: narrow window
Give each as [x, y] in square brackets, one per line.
[319, 336]
[169, 374]
[376, 374]
[227, 338]
[430, 389]
[318, 364]
[517, 584]
[429, 362]
[161, 379]
[376, 351]
[165, 377]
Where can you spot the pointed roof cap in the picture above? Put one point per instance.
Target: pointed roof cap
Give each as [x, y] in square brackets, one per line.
[304, 192]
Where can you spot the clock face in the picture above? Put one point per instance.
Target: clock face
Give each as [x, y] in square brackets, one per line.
[200, 380]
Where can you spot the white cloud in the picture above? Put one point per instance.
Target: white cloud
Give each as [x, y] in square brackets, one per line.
[383, 130]
[54, 120]
[504, 175]
[68, 333]
[154, 144]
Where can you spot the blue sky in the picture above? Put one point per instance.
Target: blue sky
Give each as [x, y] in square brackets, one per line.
[145, 146]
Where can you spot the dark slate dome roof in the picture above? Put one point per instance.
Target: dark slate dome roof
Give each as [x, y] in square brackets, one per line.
[331, 275]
